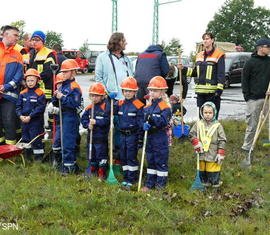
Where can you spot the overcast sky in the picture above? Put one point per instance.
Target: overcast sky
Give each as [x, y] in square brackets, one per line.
[91, 19]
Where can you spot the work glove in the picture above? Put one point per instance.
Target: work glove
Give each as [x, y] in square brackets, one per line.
[112, 95]
[220, 156]
[147, 117]
[218, 92]
[146, 126]
[52, 109]
[140, 143]
[197, 145]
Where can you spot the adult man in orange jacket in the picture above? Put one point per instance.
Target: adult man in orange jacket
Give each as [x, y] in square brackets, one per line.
[11, 75]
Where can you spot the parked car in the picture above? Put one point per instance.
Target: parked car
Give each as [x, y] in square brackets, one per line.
[234, 64]
[92, 56]
[184, 59]
[79, 57]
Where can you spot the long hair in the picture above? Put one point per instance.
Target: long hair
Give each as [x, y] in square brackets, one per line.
[164, 97]
[114, 42]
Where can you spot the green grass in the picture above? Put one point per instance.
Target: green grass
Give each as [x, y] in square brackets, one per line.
[41, 201]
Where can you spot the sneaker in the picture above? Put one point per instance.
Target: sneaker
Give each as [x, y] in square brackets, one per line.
[124, 183]
[145, 189]
[217, 185]
[129, 185]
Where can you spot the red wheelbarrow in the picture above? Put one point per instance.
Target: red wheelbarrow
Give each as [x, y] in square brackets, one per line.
[10, 150]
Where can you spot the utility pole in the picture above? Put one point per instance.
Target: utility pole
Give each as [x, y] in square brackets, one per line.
[156, 19]
[114, 16]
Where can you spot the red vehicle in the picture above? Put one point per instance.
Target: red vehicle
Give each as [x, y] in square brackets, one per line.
[79, 57]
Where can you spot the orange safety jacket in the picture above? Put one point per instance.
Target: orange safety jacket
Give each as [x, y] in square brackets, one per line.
[210, 71]
[11, 72]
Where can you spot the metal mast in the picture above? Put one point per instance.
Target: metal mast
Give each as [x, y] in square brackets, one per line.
[114, 16]
[156, 19]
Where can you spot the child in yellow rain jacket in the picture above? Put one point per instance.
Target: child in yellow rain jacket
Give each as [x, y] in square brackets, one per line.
[208, 138]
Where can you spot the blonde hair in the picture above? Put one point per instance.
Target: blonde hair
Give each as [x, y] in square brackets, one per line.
[164, 97]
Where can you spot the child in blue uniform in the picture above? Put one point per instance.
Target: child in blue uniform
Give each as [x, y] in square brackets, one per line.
[130, 113]
[69, 97]
[157, 117]
[30, 108]
[100, 125]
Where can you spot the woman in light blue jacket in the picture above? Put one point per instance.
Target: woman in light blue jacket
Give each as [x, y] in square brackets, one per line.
[112, 66]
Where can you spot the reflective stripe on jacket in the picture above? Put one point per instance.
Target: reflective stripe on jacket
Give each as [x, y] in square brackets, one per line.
[210, 71]
[11, 72]
[41, 62]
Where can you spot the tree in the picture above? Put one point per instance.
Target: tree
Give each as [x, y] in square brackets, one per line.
[85, 47]
[53, 38]
[172, 47]
[20, 24]
[240, 22]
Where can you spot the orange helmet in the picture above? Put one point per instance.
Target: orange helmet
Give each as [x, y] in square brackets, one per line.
[97, 89]
[157, 82]
[59, 78]
[32, 72]
[69, 64]
[129, 83]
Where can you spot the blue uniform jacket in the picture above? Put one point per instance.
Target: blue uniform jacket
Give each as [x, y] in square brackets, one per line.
[31, 102]
[102, 117]
[151, 63]
[71, 99]
[159, 114]
[130, 113]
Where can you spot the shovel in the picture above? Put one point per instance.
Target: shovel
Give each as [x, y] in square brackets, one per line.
[111, 178]
[88, 171]
[142, 160]
[184, 129]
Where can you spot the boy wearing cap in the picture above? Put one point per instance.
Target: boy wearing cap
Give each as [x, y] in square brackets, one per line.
[30, 108]
[40, 59]
[68, 99]
[255, 81]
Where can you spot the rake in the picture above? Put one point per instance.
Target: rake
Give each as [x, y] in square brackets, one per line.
[111, 178]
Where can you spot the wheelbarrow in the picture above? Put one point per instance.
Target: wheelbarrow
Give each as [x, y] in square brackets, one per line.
[10, 150]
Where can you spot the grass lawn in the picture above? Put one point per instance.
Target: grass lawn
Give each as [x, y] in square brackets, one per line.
[41, 201]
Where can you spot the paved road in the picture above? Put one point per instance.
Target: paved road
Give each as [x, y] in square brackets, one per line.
[232, 104]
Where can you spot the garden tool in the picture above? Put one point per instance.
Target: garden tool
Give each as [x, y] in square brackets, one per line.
[111, 178]
[182, 129]
[88, 170]
[264, 114]
[142, 159]
[197, 184]
[267, 143]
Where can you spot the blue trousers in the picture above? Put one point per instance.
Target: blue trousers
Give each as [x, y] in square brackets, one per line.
[157, 152]
[70, 133]
[30, 131]
[128, 157]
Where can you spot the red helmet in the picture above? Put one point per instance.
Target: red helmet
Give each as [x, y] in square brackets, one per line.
[32, 72]
[129, 83]
[59, 78]
[69, 65]
[157, 82]
[97, 89]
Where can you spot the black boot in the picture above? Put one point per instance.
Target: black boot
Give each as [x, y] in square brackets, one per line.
[27, 153]
[38, 157]
[57, 159]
